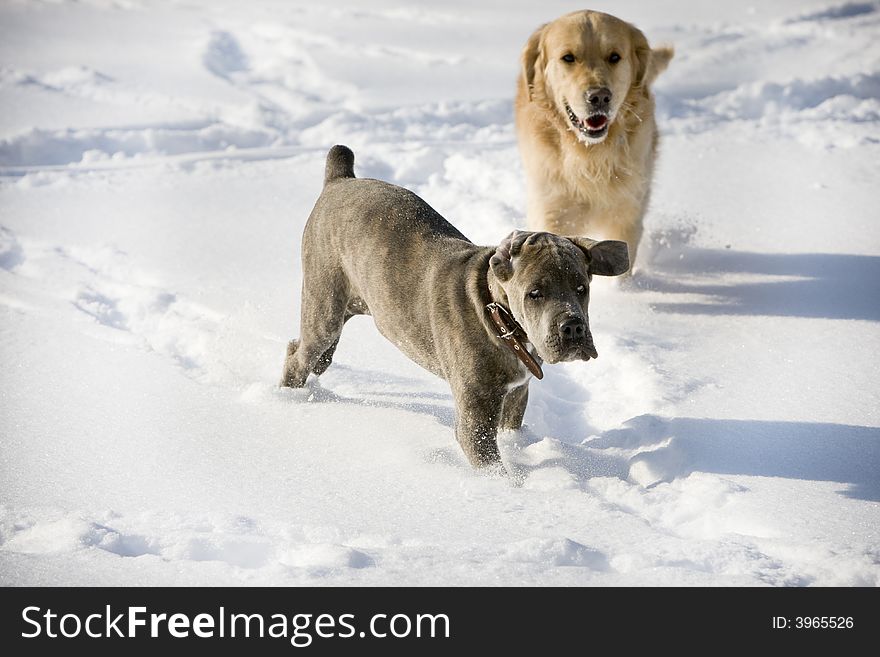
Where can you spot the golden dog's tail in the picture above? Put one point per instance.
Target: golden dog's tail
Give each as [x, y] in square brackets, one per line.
[340, 164]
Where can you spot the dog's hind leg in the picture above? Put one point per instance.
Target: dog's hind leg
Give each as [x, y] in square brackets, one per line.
[320, 367]
[355, 307]
[325, 360]
[323, 315]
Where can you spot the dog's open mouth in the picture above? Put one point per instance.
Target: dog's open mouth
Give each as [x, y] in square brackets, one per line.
[593, 127]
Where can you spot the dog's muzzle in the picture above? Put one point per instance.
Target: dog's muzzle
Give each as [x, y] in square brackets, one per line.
[575, 340]
[594, 127]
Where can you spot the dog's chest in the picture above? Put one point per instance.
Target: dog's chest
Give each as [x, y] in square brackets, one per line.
[522, 376]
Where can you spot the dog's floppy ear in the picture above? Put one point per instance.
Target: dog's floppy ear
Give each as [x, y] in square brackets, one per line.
[605, 258]
[658, 62]
[642, 55]
[530, 55]
[501, 261]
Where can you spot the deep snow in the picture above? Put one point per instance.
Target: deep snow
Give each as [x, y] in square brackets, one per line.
[157, 164]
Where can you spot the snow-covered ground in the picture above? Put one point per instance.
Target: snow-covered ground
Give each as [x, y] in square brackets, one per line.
[157, 164]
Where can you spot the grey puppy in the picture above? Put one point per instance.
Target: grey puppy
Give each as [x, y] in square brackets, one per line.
[372, 248]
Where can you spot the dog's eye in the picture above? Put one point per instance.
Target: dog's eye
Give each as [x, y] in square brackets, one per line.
[581, 289]
[535, 294]
[568, 58]
[614, 58]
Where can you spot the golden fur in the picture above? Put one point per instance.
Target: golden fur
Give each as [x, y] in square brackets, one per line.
[578, 184]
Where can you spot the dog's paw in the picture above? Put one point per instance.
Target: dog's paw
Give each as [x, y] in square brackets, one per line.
[495, 471]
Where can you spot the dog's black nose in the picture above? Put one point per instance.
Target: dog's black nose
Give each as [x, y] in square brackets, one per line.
[599, 99]
[572, 328]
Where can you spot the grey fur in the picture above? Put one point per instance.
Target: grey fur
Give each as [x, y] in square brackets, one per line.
[371, 248]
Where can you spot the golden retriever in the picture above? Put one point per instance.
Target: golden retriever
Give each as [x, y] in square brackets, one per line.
[585, 126]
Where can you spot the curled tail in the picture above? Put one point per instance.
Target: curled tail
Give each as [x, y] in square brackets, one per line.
[340, 164]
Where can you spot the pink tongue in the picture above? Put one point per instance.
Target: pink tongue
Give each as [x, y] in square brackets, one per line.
[596, 122]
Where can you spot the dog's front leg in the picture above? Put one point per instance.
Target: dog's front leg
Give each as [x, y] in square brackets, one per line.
[625, 224]
[514, 408]
[630, 231]
[476, 426]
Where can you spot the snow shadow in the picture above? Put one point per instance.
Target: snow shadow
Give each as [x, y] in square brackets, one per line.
[838, 12]
[676, 447]
[820, 285]
[379, 399]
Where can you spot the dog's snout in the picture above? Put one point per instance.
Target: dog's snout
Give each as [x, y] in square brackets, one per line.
[572, 328]
[599, 98]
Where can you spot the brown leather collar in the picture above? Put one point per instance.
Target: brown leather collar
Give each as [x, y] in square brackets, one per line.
[514, 336]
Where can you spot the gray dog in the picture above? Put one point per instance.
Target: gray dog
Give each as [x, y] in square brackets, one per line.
[480, 317]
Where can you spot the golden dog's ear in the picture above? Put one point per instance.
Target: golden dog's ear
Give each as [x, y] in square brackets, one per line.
[660, 58]
[642, 56]
[530, 56]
